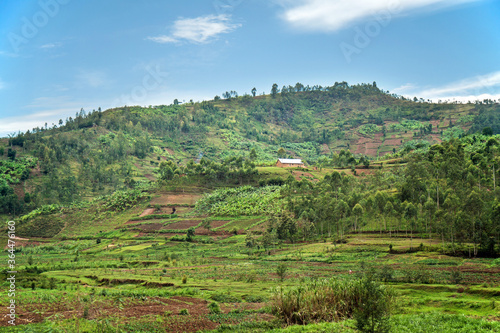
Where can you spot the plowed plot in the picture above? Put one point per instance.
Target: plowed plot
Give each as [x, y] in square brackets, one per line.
[166, 210]
[360, 149]
[299, 174]
[213, 225]
[141, 222]
[178, 210]
[366, 171]
[392, 142]
[165, 199]
[436, 138]
[260, 227]
[147, 211]
[132, 310]
[150, 227]
[373, 145]
[182, 225]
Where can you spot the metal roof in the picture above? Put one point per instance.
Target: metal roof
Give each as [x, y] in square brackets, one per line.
[290, 161]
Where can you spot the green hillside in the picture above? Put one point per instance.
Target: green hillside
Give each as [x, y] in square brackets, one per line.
[176, 219]
[99, 152]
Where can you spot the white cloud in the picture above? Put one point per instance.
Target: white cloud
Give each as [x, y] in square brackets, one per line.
[51, 45]
[470, 89]
[198, 30]
[403, 88]
[333, 15]
[9, 54]
[163, 39]
[30, 121]
[478, 84]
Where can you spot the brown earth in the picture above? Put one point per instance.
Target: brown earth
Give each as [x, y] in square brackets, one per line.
[165, 210]
[150, 177]
[392, 142]
[183, 225]
[132, 310]
[144, 221]
[147, 211]
[175, 198]
[299, 174]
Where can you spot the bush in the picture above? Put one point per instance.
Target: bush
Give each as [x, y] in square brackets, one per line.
[190, 234]
[225, 298]
[184, 312]
[184, 279]
[214, 308]
[455, 276]
[281, 271]
[373, 312]
[333, 300]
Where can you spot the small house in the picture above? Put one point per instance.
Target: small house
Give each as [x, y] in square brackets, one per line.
[289, 163]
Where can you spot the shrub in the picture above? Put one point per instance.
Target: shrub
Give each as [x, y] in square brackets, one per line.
[281, 271]
[184, 312]
[255, 299]
[332, 300]
[455, 276]
[373, 312]
[190, 234]
[214, 308]
[184, 279]
[386, 273]
[225, 298]
[86, 312]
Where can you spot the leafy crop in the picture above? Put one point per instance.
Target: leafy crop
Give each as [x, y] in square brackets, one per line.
[244, 200]
[369, 129]
[15, 171]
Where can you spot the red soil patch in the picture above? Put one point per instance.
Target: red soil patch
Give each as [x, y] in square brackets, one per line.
[165, 210]
[178, 210]
[325, 149]
[363, 140]
[197, 308]
[169, 198]
[260, 227]
[213, 233]
[147, 221]
[150, 227]
[373, 145]
[183, 225]
[218, 223]
[365, 171]
[392, 142]
[148, 211]
[299, 174]
[213, 225]
[436, 138]
[359, 149]
[150, 177]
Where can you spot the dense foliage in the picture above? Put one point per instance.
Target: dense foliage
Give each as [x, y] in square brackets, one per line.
[448, 190]
[245, 200]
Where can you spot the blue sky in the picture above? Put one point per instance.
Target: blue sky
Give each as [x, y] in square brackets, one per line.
[57, 56]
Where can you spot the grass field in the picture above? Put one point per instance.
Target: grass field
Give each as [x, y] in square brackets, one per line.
[134, 278]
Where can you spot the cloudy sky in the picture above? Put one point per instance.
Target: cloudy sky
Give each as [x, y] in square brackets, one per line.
[58, 56]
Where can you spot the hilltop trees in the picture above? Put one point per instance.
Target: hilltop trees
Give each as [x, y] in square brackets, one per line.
[232, 170]
[459, 201]
[274, 90]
